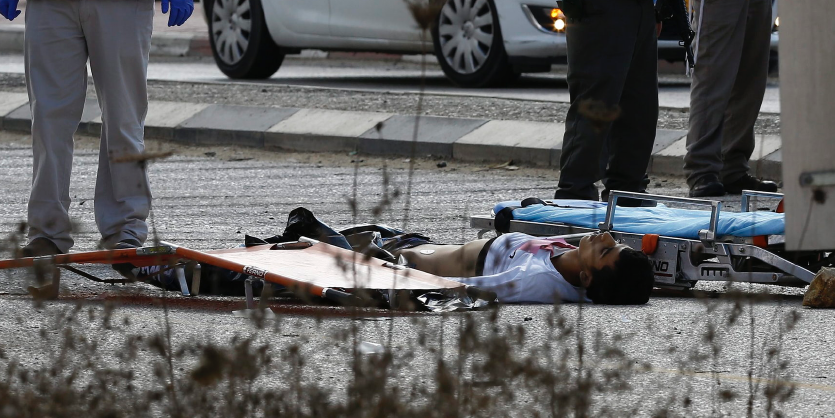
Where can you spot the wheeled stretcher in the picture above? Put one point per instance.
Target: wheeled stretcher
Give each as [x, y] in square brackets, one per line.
[684, 245]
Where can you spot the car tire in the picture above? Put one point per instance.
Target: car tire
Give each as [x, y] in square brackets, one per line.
[469, 45]
[249, 54]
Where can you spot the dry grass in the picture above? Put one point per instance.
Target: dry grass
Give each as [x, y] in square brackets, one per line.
[96, 363]
[459, 365]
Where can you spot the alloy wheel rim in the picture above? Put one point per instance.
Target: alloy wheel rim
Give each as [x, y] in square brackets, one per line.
[231, 29]
[466, 33]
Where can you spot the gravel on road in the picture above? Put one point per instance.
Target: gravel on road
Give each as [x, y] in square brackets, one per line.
[209, 197]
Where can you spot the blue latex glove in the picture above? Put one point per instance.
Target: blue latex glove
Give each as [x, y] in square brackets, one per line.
[8, 8]
[180, 11]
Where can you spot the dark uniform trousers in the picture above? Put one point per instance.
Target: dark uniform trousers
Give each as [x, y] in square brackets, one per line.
[613, 60]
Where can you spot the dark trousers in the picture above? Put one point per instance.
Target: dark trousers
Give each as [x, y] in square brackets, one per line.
[612, 61]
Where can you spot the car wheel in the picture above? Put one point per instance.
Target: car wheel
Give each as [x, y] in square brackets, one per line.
[469, 46]
[240, 41]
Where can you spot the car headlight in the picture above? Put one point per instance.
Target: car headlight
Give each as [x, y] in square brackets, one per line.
[547, 19]
[559, 20]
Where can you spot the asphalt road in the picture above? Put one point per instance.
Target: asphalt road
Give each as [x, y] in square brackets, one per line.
[208, 198]
[397, 77]
[380, 86]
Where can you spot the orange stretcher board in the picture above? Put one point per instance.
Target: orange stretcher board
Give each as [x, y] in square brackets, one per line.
[325, 265]
[312, 267]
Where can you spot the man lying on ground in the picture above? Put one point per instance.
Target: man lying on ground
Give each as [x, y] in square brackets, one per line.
[519, 268]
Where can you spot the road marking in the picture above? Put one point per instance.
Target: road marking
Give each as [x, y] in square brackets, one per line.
[740, 378]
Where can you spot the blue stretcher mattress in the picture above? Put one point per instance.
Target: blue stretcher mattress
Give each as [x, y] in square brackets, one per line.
[661, 220]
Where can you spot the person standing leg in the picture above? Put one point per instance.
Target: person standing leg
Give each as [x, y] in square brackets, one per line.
[600, 46]
[118, 37]
[633, 133]
[55, 60]
[720, 43]
[745, 102]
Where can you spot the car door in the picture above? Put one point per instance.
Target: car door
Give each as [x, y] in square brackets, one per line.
[305, 17]
[373, 19]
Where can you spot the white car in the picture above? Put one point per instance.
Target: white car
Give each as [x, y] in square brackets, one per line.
[477, 42]
[668, 42]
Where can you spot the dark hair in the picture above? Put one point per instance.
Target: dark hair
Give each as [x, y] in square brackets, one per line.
[628, 283]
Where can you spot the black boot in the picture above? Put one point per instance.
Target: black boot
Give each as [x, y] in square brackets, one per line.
[628, 202]
[39, 247]
[749, 182]
[707, 186]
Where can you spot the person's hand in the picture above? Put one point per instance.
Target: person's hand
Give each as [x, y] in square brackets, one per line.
[8, 8]
[180, 10]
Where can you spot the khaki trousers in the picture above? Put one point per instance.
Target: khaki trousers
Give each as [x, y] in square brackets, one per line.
[728, 85]
[115, 35]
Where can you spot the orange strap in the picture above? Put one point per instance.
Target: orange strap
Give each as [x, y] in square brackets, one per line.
[760, 241]
[649, 243]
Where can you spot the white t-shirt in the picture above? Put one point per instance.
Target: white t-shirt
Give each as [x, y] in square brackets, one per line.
[518, 269]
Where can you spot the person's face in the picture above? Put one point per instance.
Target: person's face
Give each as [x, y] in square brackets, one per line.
[596, 252]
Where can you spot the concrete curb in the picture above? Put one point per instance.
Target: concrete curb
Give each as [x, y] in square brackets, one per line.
[319, 130]
[11, 39]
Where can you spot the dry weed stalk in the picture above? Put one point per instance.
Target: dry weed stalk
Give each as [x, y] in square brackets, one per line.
[425, 14]
[462, 365]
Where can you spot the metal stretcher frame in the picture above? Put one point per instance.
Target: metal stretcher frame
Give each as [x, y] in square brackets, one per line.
[681, 262]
